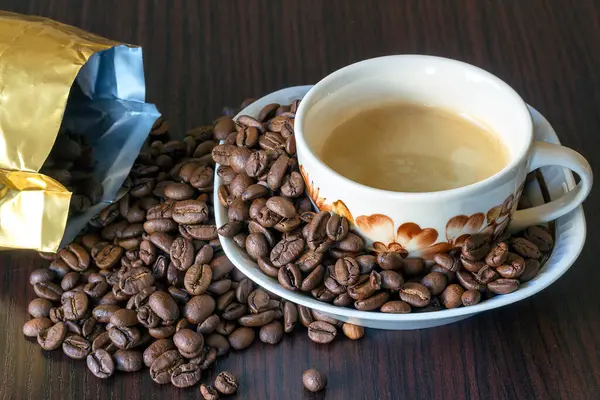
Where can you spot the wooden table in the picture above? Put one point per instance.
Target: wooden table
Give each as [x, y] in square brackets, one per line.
[204, 54]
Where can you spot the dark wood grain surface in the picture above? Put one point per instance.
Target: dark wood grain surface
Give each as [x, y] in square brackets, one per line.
[203, 54]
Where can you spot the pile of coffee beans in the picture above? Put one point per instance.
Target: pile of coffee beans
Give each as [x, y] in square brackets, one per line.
[148, 286]
[71, 162]
[271, 218]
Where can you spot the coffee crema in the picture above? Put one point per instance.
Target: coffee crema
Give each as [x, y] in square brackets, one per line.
[409, 147]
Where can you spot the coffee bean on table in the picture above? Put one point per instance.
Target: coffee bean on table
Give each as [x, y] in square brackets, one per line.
[101, 364]
[164, 306]
[76, 347]
[39, 308]
[197, 279]
[125, 337]
[188, 342]
[124, 317]
[314, 380]
[34, 326]
[48, 290]
[51, 338]
[241, 338]
[128, 360]
[209, 392]
[156, 349]
[321, 332]
[199, 308]
[42, 275]
[226, 383]
[74, 304]
[353, 332]
[186, 375]
[163, 367]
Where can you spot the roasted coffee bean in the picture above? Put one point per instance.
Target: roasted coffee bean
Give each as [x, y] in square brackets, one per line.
[238, 210]
[321, 332]
[452, 296]
[541, 237]
[162, 368]
[497, 255]
[471, 297]
[256, 245]
[182, 253]
[305, 315]
[243, 290]
[197, 279]
[225, 299]
[57, 314]
[395, 307]
[164, 306]
[239, 184]
[39, 308]
[199, 308]
[59, 267]
[468, 281]
[75, 256]
[258, 300]
[124, 317]
[204, 255]
[352, 243]
[226, 383]
[362, 289]
[532, 268]
[435, 281]
[503, 286]
[447, 261]
[238, 158]
[125, 337]
[44, 275]
[179, 191]
[321, 293]
[162, 332]
[281, 206]
[485, 275]
[74, 304]
[413, 266]
[475, 247]
[96, 289]
[258, 320]
[141, 299]
[209, 325]
[156, 349]
[366, 263]
[234, 311]
[346, 271]
[186, 375]
[159, 225]
[390, 260]
[267, 268]
[135, 280]
[221, 266]
[76, 347]
[415, 294]
[183, 324]
[218, 342]
[513, 267]
[241, 338]
[223, 127]
[51, 338]
[101, 364]
[209, 392]
[108, 256]
[391, 280]
[372, 303]
[128, 360]
[314, 279]
[287, 251]
[48, 290]
[313, 380]
[188, 342]
[34, 326]
[73, 327]
[257, 164]
[102, 341]
[525, 248]
[226, 327]
[353, 332]
[290, 277]
[220, 287]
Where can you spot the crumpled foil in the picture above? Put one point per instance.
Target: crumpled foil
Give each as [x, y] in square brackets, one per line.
[52, 74]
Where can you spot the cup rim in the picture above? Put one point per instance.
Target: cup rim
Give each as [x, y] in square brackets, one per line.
[495, 179]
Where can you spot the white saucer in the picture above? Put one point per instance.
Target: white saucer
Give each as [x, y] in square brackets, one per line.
[569, 241]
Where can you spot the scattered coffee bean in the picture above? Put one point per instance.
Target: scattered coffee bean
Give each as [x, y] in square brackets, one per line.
[353, 332]
[314, 380]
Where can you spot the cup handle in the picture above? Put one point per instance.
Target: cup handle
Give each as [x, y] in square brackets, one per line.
[552, 154]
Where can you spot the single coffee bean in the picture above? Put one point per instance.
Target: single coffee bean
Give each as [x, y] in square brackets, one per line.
[241, 338]
[435, 281]
[362, 289]
[197, 279]
[209, 392]
[226, 327]
[75, 305]
[471, 265]
[390, 260]
[290, 316]
[290, 277]
[366, 263]
[164, 306]
[34, 326]
[125, 337]
[372, 303]
[108, 256]
[162, 368]
[513, 267]
[57, 314]
[503, 286]
[313, 380]
[541, 237]
[271, 333]
[352, 243]
[391, 280]
[353, 332]
[485, 275]
[188, 342]
[313, 279]
[128, 360]
[305, 315]
[221, 266]
[468, 281]
[258, 320]
[475, 247]
[39, 308]
[415, 294]
[220, 287]
[321, 332]
[525, 248]
[186, 375]
[43, 275]
[96, 289]
[48, 290]
[280, 166]
[532, 268]
[346, 271]
[124, 317]
[226, 383]
[102, 341]
[452, 296]
[497, 255]
[225, 300]
[234, 311]
[76, 347]
[287, 251]
[75, 256]
[135, 279]
[209, 325]
[101, 364]
[321, 293]
[471, 297]
[396, 307]
[51, 338]
[199, 308]
[447, 261]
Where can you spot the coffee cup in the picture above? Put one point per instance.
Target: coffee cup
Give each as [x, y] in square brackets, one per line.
[421, 224]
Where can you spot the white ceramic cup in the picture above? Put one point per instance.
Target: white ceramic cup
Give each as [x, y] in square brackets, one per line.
[422, 224]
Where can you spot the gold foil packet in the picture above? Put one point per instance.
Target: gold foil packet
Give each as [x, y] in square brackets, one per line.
[54, 75]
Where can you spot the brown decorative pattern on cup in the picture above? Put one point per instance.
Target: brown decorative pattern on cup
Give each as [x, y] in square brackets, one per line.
[337, 207]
